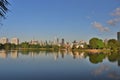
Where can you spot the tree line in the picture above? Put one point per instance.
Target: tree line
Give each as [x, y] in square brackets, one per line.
[94, 43]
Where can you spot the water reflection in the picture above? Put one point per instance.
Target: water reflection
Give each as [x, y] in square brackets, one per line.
[100, 70]
[14, 54]
[93, 66]
[93, 58]
[107, 71]
[114, 75]
[78, 55]
[3, 54]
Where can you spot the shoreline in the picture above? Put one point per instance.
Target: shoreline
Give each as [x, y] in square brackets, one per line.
[70, 50]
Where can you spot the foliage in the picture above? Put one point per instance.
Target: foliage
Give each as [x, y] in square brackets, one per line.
[7, 46]
[113, 44]
[1, 46]
[96, 58]
[113, 57]
[24, 45]
[3, 7]
[96, 43]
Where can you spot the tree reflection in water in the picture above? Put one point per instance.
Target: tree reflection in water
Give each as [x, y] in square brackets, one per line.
[94, 64]
[94, 58]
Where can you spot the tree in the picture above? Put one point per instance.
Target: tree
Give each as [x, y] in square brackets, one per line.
[96, 43]
[96, 58]
[24, 45]
[3, 8]
[113, 44]
[7, 46]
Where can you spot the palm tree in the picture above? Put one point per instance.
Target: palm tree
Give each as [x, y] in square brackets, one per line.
[3, 8]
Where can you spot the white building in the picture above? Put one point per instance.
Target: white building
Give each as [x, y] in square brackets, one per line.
[34, 42]
[15, 41]
[4, 40]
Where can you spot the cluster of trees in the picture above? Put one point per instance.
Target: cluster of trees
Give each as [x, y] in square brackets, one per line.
[8, 46]
[98, 58]
[96, 43]
[26, 45]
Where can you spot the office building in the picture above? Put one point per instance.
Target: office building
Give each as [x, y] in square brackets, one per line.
[63, 41]
[118, 36]
[4, 40]
[34, 42]
[15, 41]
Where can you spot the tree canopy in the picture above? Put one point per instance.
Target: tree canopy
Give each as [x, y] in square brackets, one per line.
[96, 43]
[113, 44]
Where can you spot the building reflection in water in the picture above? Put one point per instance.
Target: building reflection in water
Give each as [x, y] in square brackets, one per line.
[119, 62]
[78, 55]
[75, 55]
[3, 54]
[32, 54]
[56, 56]
[63, 53]
[14, 54]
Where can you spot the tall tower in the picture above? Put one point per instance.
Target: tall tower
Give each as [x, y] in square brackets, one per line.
[118, 36]
[63, 41]
[57, 40]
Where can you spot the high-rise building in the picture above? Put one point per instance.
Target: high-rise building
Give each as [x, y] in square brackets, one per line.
[63, 41]
[57, 40]
[4, 40]
[15, 41]
[118, 36]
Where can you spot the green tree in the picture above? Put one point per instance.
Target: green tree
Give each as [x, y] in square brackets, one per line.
[7, 46]
[1, 46]
[3, 8]
[13, 46]
[96, 43]
[113, 44]
[114, 56]
[24, 45]
[96, 58]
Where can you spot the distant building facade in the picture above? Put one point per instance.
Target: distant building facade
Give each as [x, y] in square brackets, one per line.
[118, 36]
[15, 41]
[4, 40]
[34, 42]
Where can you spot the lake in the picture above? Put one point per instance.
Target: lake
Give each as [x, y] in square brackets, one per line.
[46, 65]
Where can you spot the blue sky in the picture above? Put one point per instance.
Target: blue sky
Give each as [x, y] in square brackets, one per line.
[68, 19]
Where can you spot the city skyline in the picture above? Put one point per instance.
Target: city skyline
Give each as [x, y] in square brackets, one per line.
[68, 19]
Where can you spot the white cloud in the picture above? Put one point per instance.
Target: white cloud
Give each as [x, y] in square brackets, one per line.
[116, 12]
[113, 22]
[100, 27]
[116, 15]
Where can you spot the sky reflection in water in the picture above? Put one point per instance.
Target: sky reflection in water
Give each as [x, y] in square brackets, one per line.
[29, 65]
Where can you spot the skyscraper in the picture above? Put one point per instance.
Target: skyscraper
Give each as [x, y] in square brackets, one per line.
[118, 36]
[63, 41]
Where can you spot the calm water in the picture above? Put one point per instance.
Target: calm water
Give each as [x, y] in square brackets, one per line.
[37, 65]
